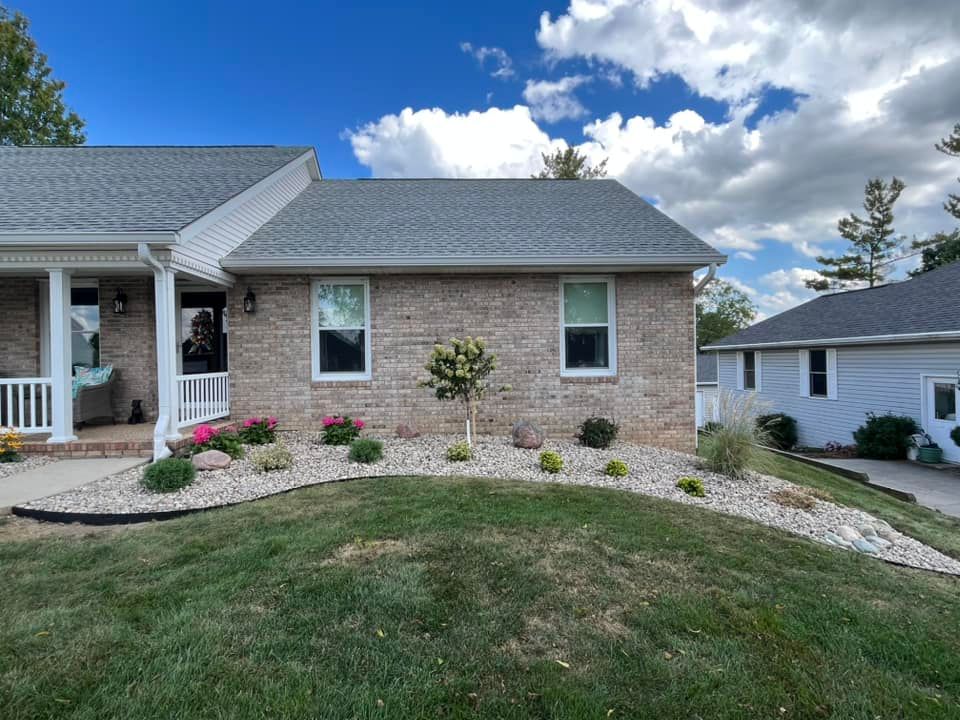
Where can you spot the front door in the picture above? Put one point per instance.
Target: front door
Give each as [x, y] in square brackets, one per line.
[941, 415]
[203, 332]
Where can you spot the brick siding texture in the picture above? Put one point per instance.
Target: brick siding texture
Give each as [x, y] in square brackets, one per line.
[19, 323]
[519, 315]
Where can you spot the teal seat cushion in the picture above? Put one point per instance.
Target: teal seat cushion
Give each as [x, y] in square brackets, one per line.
[88, 376]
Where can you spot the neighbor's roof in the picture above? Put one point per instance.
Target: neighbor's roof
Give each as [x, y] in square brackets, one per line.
[921, 306]
[125, 189]
[483, 222]
[706, 367]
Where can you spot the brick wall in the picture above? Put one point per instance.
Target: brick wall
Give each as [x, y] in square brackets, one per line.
[652, 397]
[128, 342]
[19, 320]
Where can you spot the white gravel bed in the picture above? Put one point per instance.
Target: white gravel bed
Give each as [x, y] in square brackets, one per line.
[27, 462]
[653, 472]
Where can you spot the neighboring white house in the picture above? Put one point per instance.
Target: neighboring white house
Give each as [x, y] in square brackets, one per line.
[829, 362]
[707, 392]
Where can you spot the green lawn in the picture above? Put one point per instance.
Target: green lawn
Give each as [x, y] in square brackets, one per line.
[934, 528]
[440, 598]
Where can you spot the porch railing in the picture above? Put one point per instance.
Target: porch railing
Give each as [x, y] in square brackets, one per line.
[202, 397]
[25, 403]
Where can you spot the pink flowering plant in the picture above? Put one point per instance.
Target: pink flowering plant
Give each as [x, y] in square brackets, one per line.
[341, 429]
[258, 430]
[225, 439]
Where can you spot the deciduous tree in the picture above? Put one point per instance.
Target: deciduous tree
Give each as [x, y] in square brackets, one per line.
[722, 310]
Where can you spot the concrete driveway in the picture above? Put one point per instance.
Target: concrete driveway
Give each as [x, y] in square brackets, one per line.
[934, 488]
[56, 477]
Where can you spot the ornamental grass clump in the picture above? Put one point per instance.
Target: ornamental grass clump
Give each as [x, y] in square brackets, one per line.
[11, 441]
[616, 468]
[459, 372]
[729, 448]
[168, 475]
[341, 429]
[459, 452]
[258, 431]
[272, 458]
[207, 437]
[366, 450]
[551, 461]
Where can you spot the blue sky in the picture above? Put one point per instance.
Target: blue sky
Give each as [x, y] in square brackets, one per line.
[746, 165]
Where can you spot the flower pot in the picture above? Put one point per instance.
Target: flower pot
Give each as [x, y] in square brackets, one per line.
[929, 454]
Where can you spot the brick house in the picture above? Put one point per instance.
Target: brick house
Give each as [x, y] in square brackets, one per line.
[235, 281]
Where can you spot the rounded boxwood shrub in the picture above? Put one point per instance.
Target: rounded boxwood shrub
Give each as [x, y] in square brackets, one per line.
[459, 452]
[616, 468]
[692, 486]
[597, 432]
[366, 450]
[885, 437]
[780, 429]
[273, 458]
[168, 475]
[551, 461]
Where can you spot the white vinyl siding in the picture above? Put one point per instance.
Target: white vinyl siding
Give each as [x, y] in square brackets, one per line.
[861, 379]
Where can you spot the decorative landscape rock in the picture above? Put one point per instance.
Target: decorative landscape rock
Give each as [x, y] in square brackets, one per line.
[211, 460]
[653, 472]
[835, 539]
[865, 547]
[527, 435]
[406, 431]
[848, 533]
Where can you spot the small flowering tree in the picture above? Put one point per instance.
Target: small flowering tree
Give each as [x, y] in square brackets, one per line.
[459, 372]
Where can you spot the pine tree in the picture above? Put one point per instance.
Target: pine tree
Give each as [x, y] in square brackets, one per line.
[950, 145]
[569, 165]
[872, 238]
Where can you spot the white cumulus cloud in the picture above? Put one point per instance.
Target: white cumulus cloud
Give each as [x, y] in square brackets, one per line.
[553, 100]
[501, 61]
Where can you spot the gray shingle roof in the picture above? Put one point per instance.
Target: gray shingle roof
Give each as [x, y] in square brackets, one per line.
[125, 189]
[922, 305]
[707, 367]
[468, 219]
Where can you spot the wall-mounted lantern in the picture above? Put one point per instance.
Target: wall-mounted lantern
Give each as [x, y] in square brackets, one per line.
[120, 303]
[249, 302]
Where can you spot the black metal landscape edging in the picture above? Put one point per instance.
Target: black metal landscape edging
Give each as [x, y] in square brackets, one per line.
[860, 477]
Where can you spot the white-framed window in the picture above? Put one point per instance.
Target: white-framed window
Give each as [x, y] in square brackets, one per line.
[750, 370]
[588, 326]
[818, 373]
[340, 310]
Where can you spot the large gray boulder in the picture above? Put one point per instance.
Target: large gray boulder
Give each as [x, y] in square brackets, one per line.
[211, 460]
[527, 435]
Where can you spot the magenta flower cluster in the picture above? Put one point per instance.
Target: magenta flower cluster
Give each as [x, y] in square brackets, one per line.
[330, 420]
[202, 434]
[270, 423]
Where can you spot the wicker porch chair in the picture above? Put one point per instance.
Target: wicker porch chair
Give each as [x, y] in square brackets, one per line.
[95, 401]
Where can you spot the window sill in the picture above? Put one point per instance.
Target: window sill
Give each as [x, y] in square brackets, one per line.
[590, 379]
[348, 382]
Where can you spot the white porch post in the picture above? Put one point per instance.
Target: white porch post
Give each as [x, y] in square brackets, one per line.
[168, 412]
[60, 357]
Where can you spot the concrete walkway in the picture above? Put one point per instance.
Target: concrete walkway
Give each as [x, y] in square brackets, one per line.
[59, 476]
[934, 488]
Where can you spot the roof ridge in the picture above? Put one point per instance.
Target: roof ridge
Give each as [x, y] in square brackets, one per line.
[154, 147]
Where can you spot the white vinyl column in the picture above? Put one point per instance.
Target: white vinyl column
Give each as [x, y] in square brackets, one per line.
[165, 297]
[61, 357]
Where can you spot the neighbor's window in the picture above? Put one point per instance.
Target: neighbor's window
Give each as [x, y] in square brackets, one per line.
[818, 373]
[85, 326]
[588, 345]
[945, 401]
[750, 370]
[341, 329]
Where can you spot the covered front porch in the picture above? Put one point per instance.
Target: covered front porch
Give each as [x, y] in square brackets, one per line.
[161, 328]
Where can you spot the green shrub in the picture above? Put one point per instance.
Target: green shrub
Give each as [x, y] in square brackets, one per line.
[366, 451]
[885, 437]
[616, 468]
[168, 475]
[551, 461]
[272, 458]
[729, 448]
[597, 432]
[692, 486]
[781, 430]
[258, 431]
[955, 435]
[340, 429]
[459, 452]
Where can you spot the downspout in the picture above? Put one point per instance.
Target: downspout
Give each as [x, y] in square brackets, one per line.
[160, 449]
[697, 289]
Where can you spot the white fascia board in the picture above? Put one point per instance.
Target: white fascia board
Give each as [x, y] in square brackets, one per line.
[571, 262]
[861, 340]
[191, 230]
[92, 238]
